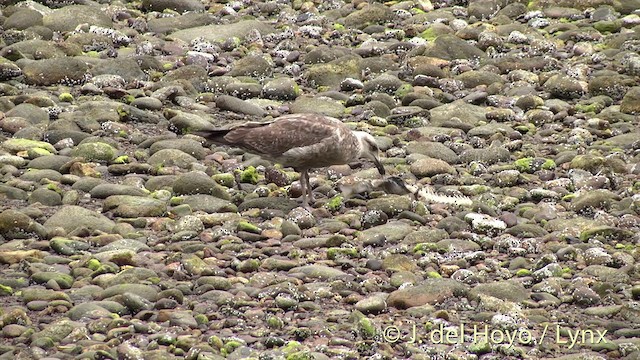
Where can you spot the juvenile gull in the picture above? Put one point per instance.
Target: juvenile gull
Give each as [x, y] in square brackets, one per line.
[301, 141]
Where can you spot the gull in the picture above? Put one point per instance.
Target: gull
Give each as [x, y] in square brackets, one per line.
[300, 141]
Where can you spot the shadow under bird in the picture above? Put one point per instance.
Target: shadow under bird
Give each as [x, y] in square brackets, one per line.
[300, 141]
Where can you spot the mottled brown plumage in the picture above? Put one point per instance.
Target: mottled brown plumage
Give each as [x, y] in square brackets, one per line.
[301, 141]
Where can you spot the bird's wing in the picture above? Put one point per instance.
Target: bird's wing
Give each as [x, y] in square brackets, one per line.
[285, 133]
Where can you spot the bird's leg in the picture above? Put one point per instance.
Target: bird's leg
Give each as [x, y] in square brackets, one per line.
[303, 184]
[306, 190]
[309, 188]
[236, 175]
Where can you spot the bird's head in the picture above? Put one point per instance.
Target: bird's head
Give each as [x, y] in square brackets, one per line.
[369, 149]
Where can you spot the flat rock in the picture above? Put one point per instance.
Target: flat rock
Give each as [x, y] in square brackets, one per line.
[219, 33]
[209, 204]
[427, 167]
[54, 71]
[320, 105]
[231, 103]
[391, 232]
[69, 17]
[320, 272]
[72, 217]
[505, 290]
[466, 113]
[197, 182]
[165, 25]
[104, 190]
[431, 291]
[171, 157]
[134, 206]
[180, 6]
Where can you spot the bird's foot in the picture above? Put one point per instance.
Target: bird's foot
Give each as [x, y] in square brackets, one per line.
[308, 207]
[312, 198]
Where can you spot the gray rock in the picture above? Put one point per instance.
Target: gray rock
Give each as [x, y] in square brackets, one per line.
[325, 54]
[136, 303]
[606, 274]
[11, 192]
[57, 330]
[392, 232]
[147, 103]
[186, 122]
[8, 70]
[427, 167]
[630, 101]
[450, 47]
[254, 66]
[244, 90]
[209, 204]
[69, 17]
[489, 156]
[197, 182]
[301, 217]
[488, 130]
[391, 205]
[334, 72]
[467, 113]
[104, 190]
[72, 217]
[165, 25]
[483, 9]
[374, 304]
[474, 78]
[386, 83]
[370, 14]
[597, 199]
[13, 160]
[54, 136]
[54, 71]
[281, 89]
[188, 146]
[277, 203]
[53, 162]
[34, 114]
[94, 310]
[236, 105]
[320, 272]
[432, 291]
[145, 291]
[434, 150]
[175, 5]
[68, 247]
[37, 49]
[64, 281]
[220, 33]
[23, 19]
[194, 73]
[128, 69]
[171, 157]
[505, 290]
[45, 197]
[320, 105]
[613, 85]
[95, 151]
[134, 206]
[17, 225]
[564, 87]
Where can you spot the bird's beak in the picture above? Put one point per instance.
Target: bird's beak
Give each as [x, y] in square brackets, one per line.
[379, 165]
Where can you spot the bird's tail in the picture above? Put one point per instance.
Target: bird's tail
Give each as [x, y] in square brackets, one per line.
[215, 135]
